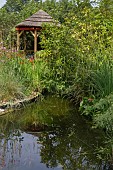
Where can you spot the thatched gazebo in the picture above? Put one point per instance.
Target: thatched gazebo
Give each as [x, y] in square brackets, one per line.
[33, 24]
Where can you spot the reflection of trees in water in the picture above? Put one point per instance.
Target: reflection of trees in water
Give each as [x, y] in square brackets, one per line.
[64, 148]
[72, 147]
[60, 148]
[10, 148]
[19, 150]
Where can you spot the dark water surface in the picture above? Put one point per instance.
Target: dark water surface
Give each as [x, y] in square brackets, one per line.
[64, 142]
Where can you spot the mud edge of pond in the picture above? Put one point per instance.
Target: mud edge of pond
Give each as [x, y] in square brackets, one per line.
[10, 106]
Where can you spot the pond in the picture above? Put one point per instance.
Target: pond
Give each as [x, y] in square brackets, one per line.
[49, 135]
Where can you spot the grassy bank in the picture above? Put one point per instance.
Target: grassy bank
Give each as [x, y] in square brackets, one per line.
[19, 77]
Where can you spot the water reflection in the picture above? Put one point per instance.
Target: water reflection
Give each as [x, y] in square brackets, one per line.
[21, 152]
[68, 145]
[66, 149]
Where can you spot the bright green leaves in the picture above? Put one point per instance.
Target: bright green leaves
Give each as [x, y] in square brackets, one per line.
[60, 51]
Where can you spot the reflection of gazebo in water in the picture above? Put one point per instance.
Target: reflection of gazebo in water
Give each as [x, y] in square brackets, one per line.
[33, 25]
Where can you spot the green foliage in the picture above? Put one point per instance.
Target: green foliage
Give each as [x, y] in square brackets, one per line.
[76, 59]
[15, 6]
[100, 106]
[10, 86]
[20, 76]
[104, 117]
[101, 79]
[100, 111]
[59, 54]
[77, 55]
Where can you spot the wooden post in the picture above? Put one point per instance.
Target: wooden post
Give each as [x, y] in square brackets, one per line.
[18, 41]
[35, 43]
[24, 41]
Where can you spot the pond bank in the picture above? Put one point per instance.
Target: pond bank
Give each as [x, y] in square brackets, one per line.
[10, 106]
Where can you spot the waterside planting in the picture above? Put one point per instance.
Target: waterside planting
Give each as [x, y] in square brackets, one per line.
[76, 61]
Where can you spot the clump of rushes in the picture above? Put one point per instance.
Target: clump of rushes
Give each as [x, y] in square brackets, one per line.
[100, 105]
[10, 86]
[19, 76]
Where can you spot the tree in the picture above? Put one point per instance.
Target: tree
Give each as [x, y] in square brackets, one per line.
[15, 5]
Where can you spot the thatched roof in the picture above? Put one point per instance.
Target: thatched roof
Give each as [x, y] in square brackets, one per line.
[36, 20]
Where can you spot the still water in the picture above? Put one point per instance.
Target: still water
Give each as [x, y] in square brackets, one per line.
[49, 135]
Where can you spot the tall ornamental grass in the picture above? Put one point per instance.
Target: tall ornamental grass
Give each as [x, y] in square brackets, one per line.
[10, 86]
[19, 76]
[99, 104]
[101, 79]
[29, 72]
